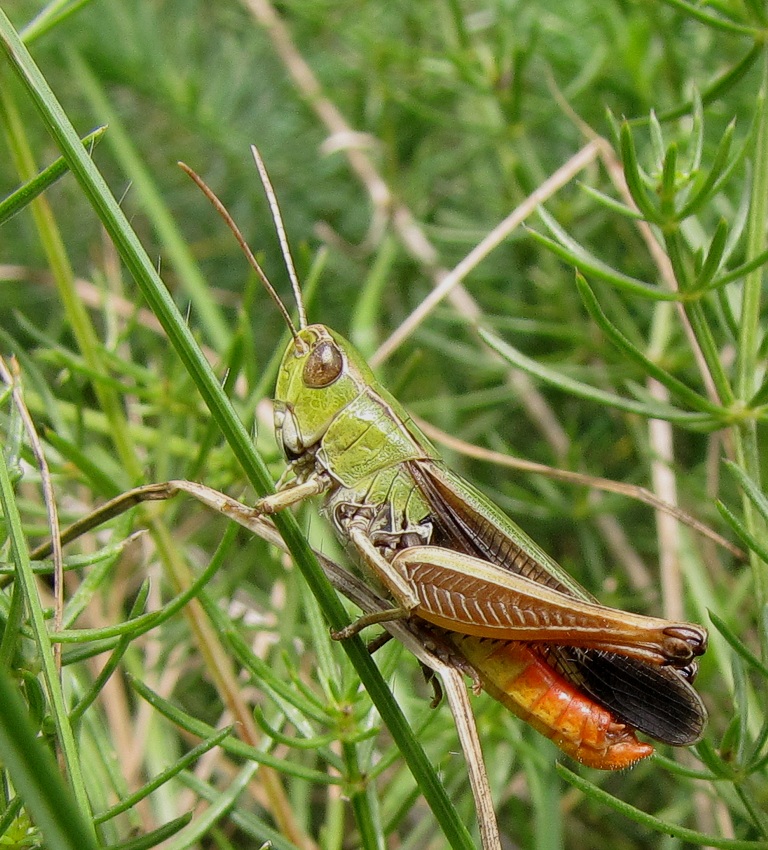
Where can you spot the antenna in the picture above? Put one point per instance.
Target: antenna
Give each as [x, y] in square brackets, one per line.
[230, 222]
[278, 219]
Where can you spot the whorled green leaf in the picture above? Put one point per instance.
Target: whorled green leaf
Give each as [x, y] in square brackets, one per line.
[750, 487]
[164, 776]
[36, 776]
[723, 83]
[718, 22]
[610, 203]
[741, 530]
[669, 187]
[569, 250]
[245, 819]
[713, 258]
[634, 176]
[156, 836]
[721, 168]
[569, 385]
[680, 390]
[200, 826]
[114, 659]
[656, 824]
[229, 745]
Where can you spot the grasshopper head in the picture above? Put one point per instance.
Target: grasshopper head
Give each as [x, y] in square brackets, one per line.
[320, 374]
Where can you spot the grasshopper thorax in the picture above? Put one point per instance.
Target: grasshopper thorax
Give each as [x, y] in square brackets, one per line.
[320, 374]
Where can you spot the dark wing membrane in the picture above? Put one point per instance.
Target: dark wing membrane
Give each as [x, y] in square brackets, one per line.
[655, 700]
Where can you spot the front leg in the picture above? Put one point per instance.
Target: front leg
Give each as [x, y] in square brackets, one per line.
[358, 532]
[315, 484]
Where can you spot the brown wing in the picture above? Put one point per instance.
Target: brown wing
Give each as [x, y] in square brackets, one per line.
[658, 701]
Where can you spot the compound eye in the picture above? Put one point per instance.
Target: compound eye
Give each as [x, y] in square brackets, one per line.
[323, 366]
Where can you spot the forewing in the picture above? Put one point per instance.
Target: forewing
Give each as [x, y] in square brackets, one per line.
[658, 701]
[466, 521]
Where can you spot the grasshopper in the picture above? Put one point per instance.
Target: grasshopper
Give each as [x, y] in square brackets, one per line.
[467, 578]
[448, 556]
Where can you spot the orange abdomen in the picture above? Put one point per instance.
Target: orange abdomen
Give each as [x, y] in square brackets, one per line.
[523, 681]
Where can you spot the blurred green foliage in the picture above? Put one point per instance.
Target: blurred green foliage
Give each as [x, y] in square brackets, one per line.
[464, 108]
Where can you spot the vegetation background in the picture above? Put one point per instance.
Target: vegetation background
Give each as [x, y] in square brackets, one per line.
[398, 135]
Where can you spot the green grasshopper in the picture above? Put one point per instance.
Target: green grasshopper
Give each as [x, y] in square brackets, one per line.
[452, 561]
